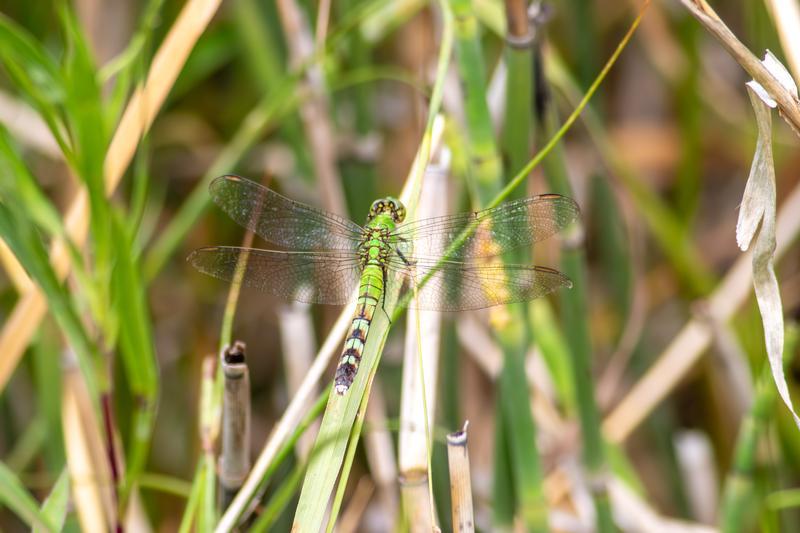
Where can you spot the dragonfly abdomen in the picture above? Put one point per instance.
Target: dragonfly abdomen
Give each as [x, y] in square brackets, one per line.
[369, 294]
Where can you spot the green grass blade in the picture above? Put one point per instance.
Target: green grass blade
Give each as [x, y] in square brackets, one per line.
[14, 495]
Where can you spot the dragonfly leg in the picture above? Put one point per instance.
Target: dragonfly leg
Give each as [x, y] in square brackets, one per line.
[405, 259]
[383, 295]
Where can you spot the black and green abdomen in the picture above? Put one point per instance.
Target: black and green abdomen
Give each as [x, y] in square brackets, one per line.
[369, 297]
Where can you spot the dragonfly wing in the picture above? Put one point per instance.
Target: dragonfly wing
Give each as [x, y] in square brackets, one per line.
[282, 221]
[459, 286]
[496, 230]
[313, 277]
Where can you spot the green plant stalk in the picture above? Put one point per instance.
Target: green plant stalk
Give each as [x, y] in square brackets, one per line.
[614, 245]
[575, 315]
[351, 451]
[487, 172]
[738, 498]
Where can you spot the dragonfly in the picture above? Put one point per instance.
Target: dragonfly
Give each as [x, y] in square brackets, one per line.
[450, 263]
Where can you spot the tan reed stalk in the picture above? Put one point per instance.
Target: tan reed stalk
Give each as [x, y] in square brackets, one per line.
[460, 481]
[87, 463]
[234, 459]
[421, 362]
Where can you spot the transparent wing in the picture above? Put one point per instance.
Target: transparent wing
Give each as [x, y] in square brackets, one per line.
[280, 220]
[497, 230]
[312, 277]
[458, 286]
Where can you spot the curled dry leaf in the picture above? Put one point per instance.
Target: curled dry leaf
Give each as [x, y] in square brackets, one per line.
[758, 208]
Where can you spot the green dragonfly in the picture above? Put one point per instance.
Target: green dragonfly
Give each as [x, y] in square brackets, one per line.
[329, 257]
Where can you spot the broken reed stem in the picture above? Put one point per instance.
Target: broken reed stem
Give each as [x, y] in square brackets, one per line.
[234, 459]
[460, 482]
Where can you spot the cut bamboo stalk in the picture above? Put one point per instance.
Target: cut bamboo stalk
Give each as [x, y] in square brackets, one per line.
[234, 460]
[298, 348]
[416, 500]
[139, 115]
[421, 357]
[460, 482]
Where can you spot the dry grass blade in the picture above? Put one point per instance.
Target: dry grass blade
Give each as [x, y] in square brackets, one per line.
[758, 209]
[788, 103]
[138, 117]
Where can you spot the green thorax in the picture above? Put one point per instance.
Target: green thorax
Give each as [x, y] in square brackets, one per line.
[384, 215]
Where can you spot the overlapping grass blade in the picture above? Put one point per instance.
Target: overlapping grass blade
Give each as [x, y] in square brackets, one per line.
[56, 505]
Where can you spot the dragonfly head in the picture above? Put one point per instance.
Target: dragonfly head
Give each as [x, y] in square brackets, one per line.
[389, 206]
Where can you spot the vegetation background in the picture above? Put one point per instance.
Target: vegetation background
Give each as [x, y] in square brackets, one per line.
[639, 400]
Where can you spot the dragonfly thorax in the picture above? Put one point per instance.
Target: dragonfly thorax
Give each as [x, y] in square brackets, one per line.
[389, 206]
